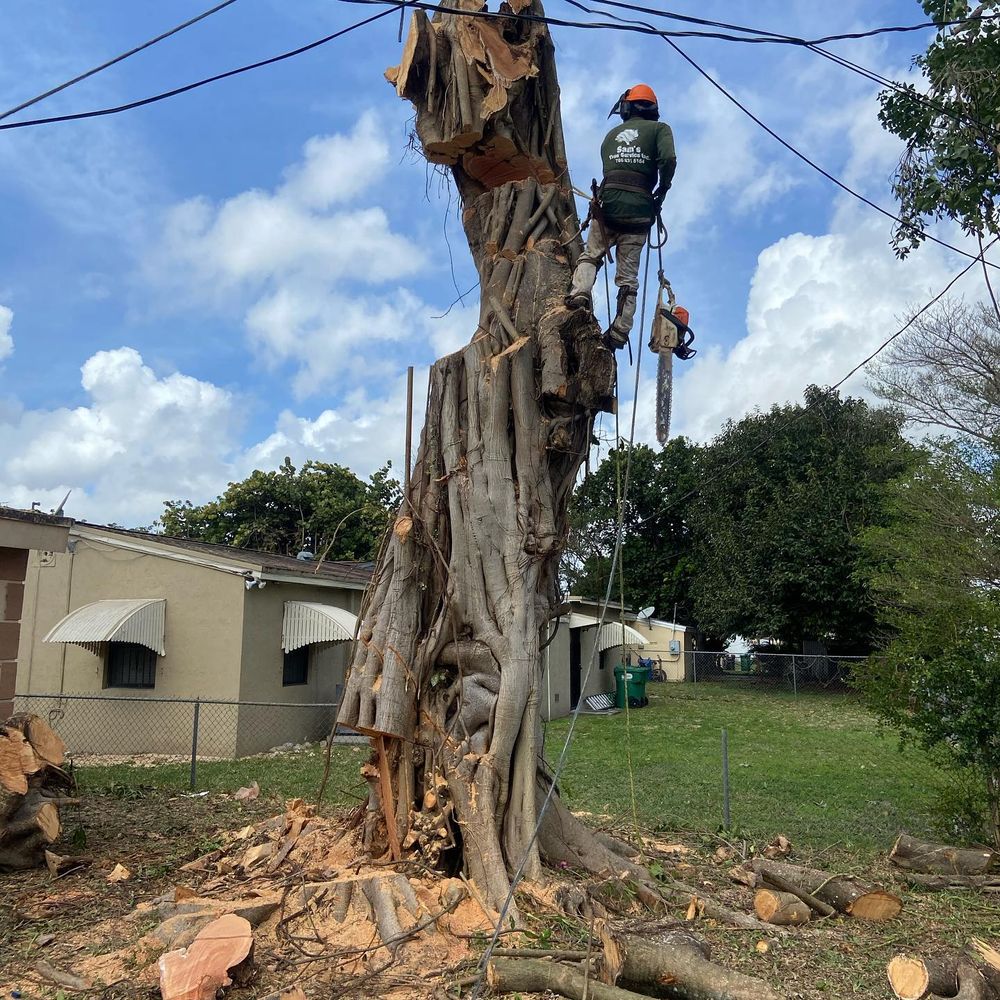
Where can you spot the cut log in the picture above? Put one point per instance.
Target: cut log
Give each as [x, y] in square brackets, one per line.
[32, 788]
[784, 885]
[845, 893]
[913, 978]
[781, 908]
[678, 963]
[198, 972]
[971, 973]
[535, 975]
[940, 859]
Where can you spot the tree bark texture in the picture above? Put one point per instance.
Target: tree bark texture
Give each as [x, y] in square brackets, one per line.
[845, 893]
[940, 859]
[446, 673]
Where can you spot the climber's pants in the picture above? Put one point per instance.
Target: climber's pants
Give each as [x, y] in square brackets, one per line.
[628, 254]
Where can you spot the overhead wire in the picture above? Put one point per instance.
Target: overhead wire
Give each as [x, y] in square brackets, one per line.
[767, 439]
[207, 80]
[117, 59]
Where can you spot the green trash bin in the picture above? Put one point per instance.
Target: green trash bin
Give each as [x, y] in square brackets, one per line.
[632, 679]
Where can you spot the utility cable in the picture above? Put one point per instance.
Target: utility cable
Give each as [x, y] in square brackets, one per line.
[836, 385]
[117, 59]
[815, 47]
[211, 79]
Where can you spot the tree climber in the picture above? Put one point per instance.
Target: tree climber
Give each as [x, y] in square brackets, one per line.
[639, 163]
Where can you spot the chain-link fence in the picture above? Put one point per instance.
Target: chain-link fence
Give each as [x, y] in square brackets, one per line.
[792, 672]
[103, 730]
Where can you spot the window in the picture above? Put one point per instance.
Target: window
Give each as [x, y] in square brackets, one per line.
[131, 665]
[296, 667]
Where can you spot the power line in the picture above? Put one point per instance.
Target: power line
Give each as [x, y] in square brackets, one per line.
[864, 71]
[743, 456]
[117, 59]
[211, 79]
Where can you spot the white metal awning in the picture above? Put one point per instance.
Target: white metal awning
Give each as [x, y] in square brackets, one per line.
[306, 622]
[614, 634]
[580, 621]
[139, 621]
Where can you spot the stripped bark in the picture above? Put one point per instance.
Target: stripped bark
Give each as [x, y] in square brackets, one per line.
[446, 672]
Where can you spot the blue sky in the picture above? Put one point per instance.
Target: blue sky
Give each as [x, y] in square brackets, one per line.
[203, 286]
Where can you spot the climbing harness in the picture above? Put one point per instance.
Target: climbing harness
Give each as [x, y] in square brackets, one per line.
[670, 335]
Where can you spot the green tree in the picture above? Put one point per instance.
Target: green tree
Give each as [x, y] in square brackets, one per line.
[323, 507]
[951, 127]
[782, 498]
[936, 570]
[657, 568]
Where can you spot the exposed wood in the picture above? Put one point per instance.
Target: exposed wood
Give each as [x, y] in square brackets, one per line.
[845, 893]
[785, 885]
[678, 963]
[198, 972]
[32, 789]
[940, 859]
[781, 908]
[971, 973]
[446, 673]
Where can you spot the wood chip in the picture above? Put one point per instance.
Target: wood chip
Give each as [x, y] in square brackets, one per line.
[119, 874]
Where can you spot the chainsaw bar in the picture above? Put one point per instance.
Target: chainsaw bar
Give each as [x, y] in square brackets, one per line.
[664, 394]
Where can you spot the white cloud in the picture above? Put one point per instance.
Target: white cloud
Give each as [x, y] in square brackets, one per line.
[288, 261]
[6, 340]
[140, 439]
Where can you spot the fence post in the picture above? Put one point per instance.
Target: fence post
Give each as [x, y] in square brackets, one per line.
[795, 677]
[194, 743]
[727, 820]
[694, 665]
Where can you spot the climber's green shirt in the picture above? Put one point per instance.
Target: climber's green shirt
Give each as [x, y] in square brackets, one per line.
[643, 147]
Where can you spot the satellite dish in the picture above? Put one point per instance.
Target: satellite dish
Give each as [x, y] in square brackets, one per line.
[646, 613]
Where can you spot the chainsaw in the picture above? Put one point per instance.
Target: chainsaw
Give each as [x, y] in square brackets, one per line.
[670, 336]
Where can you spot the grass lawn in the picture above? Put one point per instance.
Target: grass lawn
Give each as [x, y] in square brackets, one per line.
[814, 767]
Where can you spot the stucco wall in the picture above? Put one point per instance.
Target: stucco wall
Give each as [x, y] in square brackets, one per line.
[202, 639]
[659, 636]
[555, 676]
[262, 668]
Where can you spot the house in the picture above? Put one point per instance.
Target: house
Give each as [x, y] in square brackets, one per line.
[582, 653]
[153, 622]
[21, 532]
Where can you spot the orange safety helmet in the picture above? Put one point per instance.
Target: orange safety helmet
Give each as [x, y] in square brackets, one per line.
[642, 92]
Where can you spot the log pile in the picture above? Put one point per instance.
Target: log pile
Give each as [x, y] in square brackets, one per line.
[33, 786]
[827, 894]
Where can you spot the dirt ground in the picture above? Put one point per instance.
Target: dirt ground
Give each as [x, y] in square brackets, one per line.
[107, 931]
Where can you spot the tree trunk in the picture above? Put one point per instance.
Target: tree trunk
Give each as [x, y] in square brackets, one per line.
[940, 859]
[446, 672]
[32, 787]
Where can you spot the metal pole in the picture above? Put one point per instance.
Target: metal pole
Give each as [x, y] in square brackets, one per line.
[795, 678]
[694, 665]
[194, 744]
[409, 427]
[726, 817]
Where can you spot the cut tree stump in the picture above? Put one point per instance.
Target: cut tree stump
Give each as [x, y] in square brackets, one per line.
[198, 972]
[969, 974]
[845, 893]
[781, 908]
[32, 788]
[677, 963]
[940, 859]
